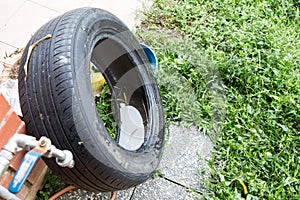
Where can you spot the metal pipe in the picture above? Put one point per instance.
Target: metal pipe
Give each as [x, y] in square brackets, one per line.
[59, 154]
[4, 163]
[20, 141]
[5, 157]
[43, 147]
[5, 194]
[14, 144]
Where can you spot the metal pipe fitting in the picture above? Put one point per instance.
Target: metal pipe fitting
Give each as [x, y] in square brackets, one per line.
[43, 147]
[20, 141]
[5, 157]
[54, 152]
[64, 158]
[5, 194]
[67, 161]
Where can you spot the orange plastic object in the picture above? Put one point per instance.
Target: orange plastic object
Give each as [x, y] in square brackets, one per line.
[10, 124]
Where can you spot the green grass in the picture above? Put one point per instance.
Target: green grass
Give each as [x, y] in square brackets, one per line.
[52, 185]
[104, 108]
[251, 49]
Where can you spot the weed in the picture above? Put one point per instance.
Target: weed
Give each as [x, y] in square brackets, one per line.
[104, 107]
[52, 185]
[255, 48]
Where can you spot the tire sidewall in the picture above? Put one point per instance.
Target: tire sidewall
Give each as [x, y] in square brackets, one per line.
[96, 139]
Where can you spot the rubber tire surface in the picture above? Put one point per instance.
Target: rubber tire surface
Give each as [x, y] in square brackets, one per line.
[57, 101]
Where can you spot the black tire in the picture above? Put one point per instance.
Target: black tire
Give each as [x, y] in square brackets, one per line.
[57, 101]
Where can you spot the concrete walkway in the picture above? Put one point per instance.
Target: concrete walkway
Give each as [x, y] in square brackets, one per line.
[181, 164]
[19, 19]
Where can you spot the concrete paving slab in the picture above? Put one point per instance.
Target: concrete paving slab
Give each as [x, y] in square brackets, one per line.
[21, 26]
[81, 194]
[125, 9]
[160, 189]
[63, 6]
[20, 19]
[5, 50]
[180, 161]
[8, 10]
